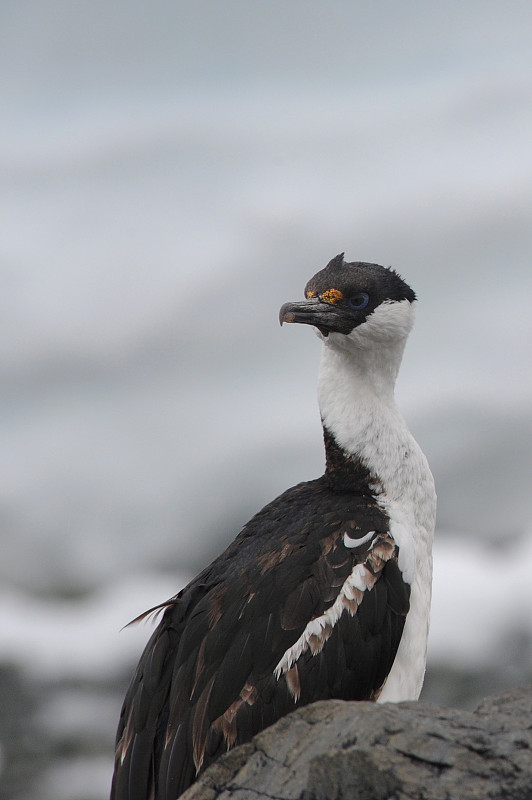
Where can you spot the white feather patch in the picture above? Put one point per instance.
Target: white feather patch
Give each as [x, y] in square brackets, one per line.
[350, 542]
[321, 627]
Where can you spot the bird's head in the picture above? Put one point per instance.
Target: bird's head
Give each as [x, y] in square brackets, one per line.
[355, 304]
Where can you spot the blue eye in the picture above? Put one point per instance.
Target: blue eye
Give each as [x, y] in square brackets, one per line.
[358, 301]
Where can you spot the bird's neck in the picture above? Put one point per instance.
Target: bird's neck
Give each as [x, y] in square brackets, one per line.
[359, 413]
[356, 387]
[344, 472]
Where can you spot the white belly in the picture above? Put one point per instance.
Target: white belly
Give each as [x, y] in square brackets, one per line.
[405, 679]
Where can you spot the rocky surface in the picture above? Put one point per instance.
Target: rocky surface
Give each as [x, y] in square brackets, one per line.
[362, 751]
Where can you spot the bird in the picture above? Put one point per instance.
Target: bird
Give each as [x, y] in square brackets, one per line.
[325, 592]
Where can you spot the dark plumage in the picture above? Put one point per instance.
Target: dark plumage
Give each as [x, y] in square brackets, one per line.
[236, 649]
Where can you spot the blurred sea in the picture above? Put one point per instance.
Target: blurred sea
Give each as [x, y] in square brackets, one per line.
[168, 178]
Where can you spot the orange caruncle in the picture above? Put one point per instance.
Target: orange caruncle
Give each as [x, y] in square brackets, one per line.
[332, 296]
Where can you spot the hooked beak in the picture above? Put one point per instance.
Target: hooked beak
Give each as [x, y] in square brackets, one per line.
[324, 316]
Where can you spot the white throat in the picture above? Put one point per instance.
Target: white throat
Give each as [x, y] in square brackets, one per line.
[356, 390]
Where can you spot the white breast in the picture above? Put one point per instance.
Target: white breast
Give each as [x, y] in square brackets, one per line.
[405, 679]
[409, 499]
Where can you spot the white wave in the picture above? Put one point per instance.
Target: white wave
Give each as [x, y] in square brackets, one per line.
[481, 601]
[58, 639]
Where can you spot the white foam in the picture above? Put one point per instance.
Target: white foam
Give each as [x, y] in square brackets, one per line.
[481, 599]
[56, 639]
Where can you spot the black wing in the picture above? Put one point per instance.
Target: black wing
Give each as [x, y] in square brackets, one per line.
[308, 603]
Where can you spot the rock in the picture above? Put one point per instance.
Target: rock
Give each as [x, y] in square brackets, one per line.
[337, 750]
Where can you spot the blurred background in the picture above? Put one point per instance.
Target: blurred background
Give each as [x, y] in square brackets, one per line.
[170, 174]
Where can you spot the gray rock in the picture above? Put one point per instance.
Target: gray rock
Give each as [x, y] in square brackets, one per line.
[361, 751]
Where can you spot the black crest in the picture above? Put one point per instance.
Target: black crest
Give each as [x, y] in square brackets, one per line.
[350, 278]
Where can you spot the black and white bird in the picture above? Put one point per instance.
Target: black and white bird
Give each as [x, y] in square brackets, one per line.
[325, 593]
